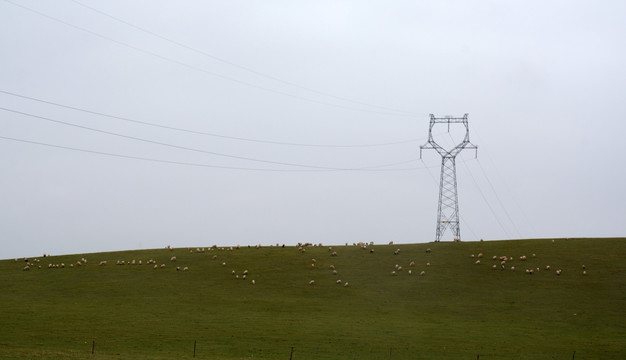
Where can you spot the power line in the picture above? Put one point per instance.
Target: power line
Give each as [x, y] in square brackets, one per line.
[199, 164]
[499, 201]
[211, 56]
[192, 149]
[167, 59]
[202, 132]
[508, 189]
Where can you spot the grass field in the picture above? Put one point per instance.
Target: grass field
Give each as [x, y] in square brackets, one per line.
[456, 310]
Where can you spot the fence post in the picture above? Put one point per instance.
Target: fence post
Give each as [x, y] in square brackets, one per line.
[291, 353]
[93, 346]
[574, 355]
[194, 348]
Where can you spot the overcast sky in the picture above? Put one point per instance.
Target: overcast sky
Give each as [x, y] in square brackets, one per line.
[138, 124]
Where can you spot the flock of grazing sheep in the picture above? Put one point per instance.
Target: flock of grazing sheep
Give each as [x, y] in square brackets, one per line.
[502, 262]
[505, 260]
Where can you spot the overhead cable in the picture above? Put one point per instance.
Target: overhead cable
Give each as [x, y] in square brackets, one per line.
[134, 138]
[368, 169]
[206, 133]
[180, 63]
[216, 58]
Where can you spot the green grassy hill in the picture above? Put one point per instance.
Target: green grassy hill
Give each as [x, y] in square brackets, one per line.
[457, 310]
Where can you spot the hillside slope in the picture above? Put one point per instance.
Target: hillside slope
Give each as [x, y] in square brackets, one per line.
[456, 310]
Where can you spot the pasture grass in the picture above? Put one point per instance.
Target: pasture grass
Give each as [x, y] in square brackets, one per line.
[457, 310]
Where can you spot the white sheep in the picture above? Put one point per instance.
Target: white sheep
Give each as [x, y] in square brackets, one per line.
[103, 262]
[422, 273]
[412, 264]
[558, 272]
[311, 282]
[185, 268]
[252, 282]
[346, 284]
[338, 281]
[332, 267]
[173, 258]
[477, 262]
[410, 272]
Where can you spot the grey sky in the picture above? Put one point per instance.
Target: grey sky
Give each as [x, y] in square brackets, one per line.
[542, 82]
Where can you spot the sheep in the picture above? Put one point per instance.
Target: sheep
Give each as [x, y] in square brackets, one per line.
[334, 253]
[512, 268]
[547, 267]
[233, 272]
[410, 272]
[472, 256]
[399, 268]
[523, 257]
[427, 264]
[223, 264]
[178, 268]
[332, 267]
[156, 266]
[584, 267]
[584, 272]
[334, 272]
[477, 262]
[185, 268]
[245, 272]
[214, 257]
[162, 266]
[558, 272]
[26, 268]
[393, 273]
[313, 260]
[173, 258]
[103, 262]
[494, 267]
[428, 250]
[338, 281]
[253, 282]
[346, 284]
[391, 243]
[412, 264]
[422, 273]
[313, 265]
[396, 252]
[312, 282]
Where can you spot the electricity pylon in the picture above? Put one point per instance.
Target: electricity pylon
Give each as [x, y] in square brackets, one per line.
[448, 209]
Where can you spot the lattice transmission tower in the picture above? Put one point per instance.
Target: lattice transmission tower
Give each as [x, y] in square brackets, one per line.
[448, 208]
